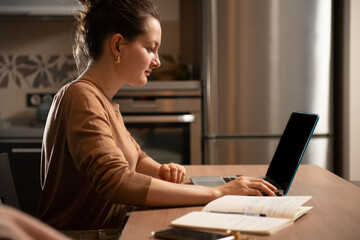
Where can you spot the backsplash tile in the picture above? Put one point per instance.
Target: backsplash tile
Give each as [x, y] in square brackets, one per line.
[36, 70]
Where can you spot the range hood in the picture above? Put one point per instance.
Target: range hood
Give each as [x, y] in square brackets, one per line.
[39, 7]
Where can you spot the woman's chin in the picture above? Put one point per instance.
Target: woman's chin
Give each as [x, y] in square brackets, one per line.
[143, 82]
[139, 83]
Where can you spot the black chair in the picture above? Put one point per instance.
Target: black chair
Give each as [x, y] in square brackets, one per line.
[7, 188]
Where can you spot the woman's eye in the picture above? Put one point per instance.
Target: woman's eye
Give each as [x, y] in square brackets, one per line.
[151, 49]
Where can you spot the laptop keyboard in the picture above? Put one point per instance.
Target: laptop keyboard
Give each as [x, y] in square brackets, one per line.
[278, 193]
[228, 179]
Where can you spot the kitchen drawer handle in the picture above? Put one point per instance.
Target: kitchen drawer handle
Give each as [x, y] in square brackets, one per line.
[144, 105]
[184, 118]
[26, 150]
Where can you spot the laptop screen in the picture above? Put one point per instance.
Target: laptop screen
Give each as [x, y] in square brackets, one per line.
[291, 149]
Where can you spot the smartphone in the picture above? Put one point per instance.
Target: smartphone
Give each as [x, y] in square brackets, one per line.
[188, 234]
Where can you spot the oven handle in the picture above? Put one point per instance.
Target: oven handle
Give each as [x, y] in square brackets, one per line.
[183, 118]
[26, 150]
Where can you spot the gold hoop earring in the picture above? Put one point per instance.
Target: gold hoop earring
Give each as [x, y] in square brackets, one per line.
[118, 60]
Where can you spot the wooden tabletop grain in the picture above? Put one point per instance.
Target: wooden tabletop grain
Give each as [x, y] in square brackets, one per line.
[335, 201]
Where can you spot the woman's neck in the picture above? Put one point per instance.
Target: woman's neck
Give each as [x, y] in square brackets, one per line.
[105, 78]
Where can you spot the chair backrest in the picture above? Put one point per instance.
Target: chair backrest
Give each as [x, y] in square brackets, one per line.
[7, 188]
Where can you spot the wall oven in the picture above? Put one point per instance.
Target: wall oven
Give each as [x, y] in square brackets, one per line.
[165, 119]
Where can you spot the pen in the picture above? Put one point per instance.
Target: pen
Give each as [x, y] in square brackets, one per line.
[246, 214]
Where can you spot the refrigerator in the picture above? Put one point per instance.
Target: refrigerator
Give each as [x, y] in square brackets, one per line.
[263, 60]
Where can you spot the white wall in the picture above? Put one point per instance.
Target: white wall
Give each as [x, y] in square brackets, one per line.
[351, 97]
[31, 38]
[354, 92]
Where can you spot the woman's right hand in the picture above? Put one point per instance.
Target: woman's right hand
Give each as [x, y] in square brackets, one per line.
[247, 186]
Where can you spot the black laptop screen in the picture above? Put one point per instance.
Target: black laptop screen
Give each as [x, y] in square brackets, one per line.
[291, 148]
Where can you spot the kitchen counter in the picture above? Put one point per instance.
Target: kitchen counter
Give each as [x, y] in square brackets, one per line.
[21, 129]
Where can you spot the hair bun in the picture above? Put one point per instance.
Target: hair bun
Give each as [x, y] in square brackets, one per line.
[89, 4]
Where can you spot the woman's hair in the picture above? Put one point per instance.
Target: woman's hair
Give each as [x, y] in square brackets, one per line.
[101, 18]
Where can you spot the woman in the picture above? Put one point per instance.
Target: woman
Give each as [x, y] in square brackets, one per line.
[92, 169]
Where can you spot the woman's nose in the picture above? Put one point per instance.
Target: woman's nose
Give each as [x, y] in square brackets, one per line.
[155, 63]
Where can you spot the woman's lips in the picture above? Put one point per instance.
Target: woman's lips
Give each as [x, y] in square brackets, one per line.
[148, 72]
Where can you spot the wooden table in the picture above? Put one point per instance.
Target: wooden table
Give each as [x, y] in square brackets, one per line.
[336, 202]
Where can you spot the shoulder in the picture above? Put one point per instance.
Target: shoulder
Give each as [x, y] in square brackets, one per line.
[80, 94]
[79, 89]
[81, 86]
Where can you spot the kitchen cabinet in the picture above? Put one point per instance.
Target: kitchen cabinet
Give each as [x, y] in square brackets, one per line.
[24, 155]
[38, 7]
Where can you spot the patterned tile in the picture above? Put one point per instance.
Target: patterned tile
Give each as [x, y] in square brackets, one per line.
[35, 71]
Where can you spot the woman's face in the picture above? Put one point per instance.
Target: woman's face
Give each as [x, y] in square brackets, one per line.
[140, 57]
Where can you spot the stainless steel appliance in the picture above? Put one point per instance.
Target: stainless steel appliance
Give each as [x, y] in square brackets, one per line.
[164, 117]
[263, 60]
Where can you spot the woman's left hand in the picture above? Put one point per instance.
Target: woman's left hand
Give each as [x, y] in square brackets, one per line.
[172, 172]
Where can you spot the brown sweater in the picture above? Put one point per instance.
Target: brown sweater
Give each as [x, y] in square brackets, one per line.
[88, 162]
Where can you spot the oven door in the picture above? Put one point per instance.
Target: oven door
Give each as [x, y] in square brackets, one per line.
[164, 137]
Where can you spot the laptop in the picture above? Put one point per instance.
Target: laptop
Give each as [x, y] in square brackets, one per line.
[287, 157]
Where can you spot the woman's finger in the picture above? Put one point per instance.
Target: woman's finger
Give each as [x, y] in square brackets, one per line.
[266, 183]
[263, 187]
[174, 173]
[165, 172]
[181, 173]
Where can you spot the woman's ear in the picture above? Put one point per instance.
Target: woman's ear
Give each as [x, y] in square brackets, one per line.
[115, 44]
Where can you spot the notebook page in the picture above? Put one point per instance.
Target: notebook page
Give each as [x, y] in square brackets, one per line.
[283, 207]
[243, 223]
